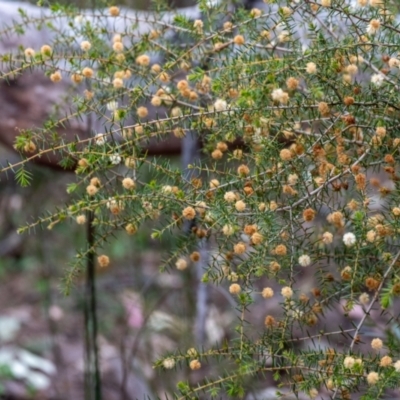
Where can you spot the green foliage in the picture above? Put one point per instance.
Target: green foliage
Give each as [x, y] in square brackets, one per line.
[23, 177]
[297, 177]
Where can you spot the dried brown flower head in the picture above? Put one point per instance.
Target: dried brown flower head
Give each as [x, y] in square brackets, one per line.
[189, 213]
[309, 214]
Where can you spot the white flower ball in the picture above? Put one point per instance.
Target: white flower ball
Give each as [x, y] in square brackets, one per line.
[304, 260]
[349, 239]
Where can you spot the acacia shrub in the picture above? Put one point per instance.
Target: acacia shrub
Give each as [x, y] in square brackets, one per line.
[298, 175]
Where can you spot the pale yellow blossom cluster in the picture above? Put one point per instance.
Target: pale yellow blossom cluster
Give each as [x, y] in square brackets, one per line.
[269, 172]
